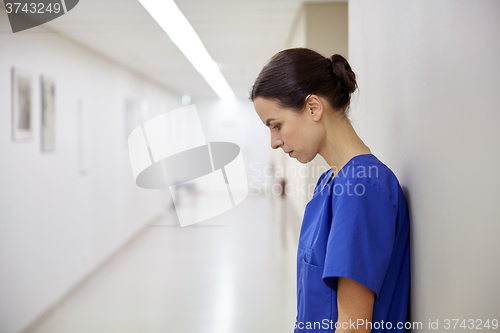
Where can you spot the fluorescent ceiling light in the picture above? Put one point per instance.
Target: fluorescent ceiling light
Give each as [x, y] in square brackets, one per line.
[177, 27]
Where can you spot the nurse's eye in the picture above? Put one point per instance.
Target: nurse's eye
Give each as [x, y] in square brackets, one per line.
[276, 126]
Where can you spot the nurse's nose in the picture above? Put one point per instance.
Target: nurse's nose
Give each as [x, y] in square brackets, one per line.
[276, 141]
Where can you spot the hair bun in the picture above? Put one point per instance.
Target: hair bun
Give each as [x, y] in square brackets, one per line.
[293, 74]
[342, 69]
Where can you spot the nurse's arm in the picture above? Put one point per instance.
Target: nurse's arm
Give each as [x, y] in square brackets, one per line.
[354, 301]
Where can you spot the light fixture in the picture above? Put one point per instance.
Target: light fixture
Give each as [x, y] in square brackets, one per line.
[174, 23]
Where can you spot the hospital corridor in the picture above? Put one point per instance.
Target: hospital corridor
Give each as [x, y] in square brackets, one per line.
[225, 276]
[157, 174]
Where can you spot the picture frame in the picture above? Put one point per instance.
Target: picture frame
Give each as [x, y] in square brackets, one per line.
[47, 132]
[132, 117]
[83, 145]
[22, 105]
[135, 112]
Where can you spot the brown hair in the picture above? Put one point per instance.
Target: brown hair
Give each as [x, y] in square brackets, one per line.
[292, 74]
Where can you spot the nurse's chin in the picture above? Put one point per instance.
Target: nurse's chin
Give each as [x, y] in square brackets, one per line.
[304, 161]
[301, 160]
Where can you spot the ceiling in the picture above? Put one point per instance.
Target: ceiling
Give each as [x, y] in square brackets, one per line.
[240, 35]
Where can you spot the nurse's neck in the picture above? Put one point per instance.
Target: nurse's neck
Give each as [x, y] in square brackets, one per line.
[341, 142]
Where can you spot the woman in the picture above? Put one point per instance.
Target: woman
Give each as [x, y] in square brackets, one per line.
[353, 258]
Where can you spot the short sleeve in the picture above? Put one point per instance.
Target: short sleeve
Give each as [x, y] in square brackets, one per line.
[362, 234]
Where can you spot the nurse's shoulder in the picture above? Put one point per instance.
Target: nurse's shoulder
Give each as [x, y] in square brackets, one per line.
[381, 176]
[368, 169]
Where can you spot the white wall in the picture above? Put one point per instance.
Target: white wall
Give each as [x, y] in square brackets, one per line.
[429, 107]
[56, 224]
[326, 30]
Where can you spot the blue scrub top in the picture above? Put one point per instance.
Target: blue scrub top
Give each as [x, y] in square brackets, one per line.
[356, 226]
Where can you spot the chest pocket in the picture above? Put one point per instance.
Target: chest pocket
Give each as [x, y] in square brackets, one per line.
[314, 298]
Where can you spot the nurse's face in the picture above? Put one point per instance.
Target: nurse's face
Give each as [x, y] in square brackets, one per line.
[299, 134]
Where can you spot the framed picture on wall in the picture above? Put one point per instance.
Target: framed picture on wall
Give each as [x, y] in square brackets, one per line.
[132, 117]
[136, 111]
[22, 105]
[47, 93]
[83, 138]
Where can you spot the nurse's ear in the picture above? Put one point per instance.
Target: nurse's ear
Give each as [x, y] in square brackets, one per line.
[315, 106]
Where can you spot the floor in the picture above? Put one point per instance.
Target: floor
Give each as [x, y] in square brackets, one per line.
[232, 273]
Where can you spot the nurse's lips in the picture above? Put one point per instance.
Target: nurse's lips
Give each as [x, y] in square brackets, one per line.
[290, 153]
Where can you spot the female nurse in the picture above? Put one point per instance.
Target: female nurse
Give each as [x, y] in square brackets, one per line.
[353, 258]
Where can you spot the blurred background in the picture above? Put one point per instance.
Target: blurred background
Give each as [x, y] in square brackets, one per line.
[83, 249]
